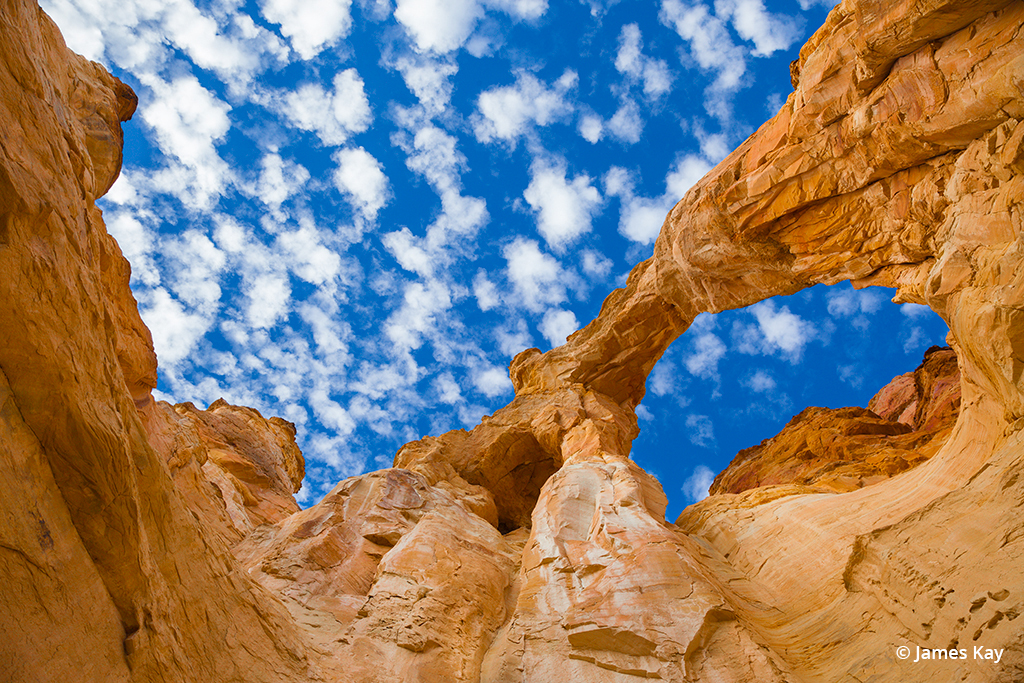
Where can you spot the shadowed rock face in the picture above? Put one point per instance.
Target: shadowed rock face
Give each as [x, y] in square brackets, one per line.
[144, 542]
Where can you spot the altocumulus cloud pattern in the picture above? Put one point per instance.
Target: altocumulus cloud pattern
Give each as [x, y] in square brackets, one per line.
[353, 214]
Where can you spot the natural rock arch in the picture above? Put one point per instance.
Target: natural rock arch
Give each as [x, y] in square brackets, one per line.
[898, 160]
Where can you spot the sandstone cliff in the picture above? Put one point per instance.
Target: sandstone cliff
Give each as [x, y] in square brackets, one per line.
[843, 449]
[145, 542]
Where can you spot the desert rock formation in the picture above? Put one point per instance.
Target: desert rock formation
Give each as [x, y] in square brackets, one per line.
[148, 542]
[844, 449]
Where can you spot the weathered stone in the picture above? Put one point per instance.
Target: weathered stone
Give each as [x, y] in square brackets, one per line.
[107, 574]
[846, 448]
[148, 543]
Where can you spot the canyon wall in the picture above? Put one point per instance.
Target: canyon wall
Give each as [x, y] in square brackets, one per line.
[149, 542]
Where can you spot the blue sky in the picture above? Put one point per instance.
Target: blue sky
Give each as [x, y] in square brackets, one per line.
[353, 214]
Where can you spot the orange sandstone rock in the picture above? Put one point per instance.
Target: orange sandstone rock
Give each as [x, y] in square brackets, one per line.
[148, 543]
[847, 448]
[107, 575]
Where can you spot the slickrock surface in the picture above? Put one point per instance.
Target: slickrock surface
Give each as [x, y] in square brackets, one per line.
[143, 542]
[847, 448]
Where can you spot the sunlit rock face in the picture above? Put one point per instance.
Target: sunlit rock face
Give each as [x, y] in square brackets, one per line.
[145, 542]
[836, 450]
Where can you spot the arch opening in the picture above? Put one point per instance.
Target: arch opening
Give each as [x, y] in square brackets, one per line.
[738, 377]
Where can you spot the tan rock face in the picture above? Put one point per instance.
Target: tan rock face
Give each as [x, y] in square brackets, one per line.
[144, 542]
[235, 469]
[927, 399]
[847, 448]
[107, 575]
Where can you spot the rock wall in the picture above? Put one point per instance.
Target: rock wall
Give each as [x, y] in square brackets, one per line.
[843, 449]
[107, 573]
[145, 542]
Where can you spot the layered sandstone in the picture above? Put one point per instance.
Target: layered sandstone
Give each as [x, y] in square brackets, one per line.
[843, 449]
[144, 542]
[108, 575]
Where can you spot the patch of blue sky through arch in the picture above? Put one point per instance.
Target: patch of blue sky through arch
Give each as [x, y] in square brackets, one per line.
[353, 213]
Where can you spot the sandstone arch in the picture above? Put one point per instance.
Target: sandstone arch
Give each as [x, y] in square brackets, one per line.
[898, 160]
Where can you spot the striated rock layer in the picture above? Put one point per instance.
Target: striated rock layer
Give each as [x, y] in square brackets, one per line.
[844, 449]
[145, 542]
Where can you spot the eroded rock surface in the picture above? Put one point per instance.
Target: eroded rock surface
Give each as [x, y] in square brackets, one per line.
[843, 449]
[107, 573]
[144, 542]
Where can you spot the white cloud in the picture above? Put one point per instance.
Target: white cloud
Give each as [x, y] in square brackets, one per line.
[851, 374]
[269, 297]
[195, 273]
[591, 128]
[331, 413]
[557, 325]
[703, 359]
[523, 9]
[713, 146]
[712, 48]
[328, 334]
[641, 218]
[447, 389]
[311, 25]
[200, 36]
[137, 243]
[360, 178]
[844, 304]
[432, 154]
[662, 379]
[781, 328]
[83, 31]
[769, 32]
[332, 116]
[442, 26]
[438, 25]
[279, 180]
[685, 174]
[564, 208]
[914, 310]
[188, 120]
[777, 330]
[702, 432]
[230, 236]
[175, 330]
[485, 291]
[430, 81]
[595, 264]
[140, 37]
[514, 338]
[404, 246]
[507, 112]
[536, 276]
[422, 306]
[626, 124]
[492, 381]
[307, 256]
[654, 74]
[629, 58]
[696, 486]
[761, 382]
[914, 341]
